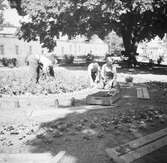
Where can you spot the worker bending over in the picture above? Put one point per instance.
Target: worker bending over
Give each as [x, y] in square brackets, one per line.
[109, 74]
[94, 74]
[40, 64]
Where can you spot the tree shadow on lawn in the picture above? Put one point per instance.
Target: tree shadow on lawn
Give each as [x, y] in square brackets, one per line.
[82, 66]
[145, 69]
[86, 135]
[140, 69]
[73, 103]
[75, 67]
[67, 135]
[103, 130]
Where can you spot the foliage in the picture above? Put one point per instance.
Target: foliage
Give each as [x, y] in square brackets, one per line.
[8, 62]
[159, 60]
[129, 79]
[2, 7]
[115, 43]
[133, 20]
[68, 59]
[89, 58]
[151, 63]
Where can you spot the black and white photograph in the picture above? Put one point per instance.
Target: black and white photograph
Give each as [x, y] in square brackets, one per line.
[83, 81]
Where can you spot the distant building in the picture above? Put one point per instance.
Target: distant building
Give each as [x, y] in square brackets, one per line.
[153, 49]
[12, 47]
[79, 46]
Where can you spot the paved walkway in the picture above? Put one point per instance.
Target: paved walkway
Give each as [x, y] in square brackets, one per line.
[61, 157]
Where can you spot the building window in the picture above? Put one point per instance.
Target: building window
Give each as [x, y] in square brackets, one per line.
[70, 48]
[62, 50]
[79, 49]
[75, 48]
[17, 50]
[30, 50]
[1, 49]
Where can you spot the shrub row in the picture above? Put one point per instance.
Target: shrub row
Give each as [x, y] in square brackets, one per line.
[69, 59]
[8, 62]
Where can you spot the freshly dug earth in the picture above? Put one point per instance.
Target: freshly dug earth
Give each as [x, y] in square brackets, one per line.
[85, 136]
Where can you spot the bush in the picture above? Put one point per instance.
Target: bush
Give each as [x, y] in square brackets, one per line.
[151, 63]
[107, 55]
[129, 79]
[9, 62]
[159, 60]
[68, 59]
[89, 58]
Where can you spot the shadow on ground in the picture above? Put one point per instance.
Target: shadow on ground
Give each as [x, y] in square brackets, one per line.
[142, 68]
[86, 135]
[145, 70]
[75, 103]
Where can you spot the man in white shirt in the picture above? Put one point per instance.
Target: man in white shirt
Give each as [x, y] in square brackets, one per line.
[40, 63]
[109, 74]
[94, 74]
[33, 63]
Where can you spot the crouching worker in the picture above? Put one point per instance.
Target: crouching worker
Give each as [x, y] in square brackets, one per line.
[109, 74]
[94, 74]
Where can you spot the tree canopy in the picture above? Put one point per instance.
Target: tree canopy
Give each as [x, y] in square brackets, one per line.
[133, 20]
[115, 43]
[2, 7]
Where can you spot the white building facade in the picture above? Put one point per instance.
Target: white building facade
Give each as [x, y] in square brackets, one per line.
[12, 47]
[153, 49]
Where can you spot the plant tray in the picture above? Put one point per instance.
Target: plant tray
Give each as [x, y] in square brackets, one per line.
[103, 98]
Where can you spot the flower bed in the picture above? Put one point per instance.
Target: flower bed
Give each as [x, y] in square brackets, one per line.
[18, 83]
[8, 62]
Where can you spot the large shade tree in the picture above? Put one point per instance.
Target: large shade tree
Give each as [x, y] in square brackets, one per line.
[133, 20]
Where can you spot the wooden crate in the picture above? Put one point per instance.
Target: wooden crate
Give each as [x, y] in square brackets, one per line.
[102, 98]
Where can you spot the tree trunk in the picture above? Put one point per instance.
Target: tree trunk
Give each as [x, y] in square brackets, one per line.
[127, 42]
[130, 47]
